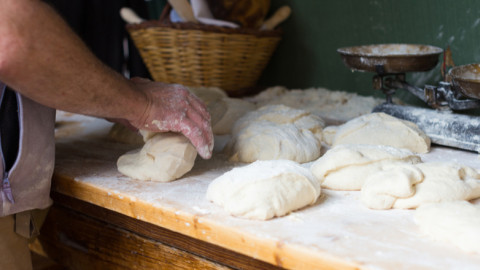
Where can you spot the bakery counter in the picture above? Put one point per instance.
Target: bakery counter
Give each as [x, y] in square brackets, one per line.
[104, 220]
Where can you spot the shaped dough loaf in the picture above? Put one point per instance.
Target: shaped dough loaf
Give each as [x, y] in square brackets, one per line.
[380, 129]
[164, 157]
[264, 189]
[457, 223]
[276, 132]
[436, 182]
[346, 167]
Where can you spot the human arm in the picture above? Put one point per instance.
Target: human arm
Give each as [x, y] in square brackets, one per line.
[43, 59]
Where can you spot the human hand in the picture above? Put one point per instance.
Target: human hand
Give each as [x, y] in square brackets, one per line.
[171, 107]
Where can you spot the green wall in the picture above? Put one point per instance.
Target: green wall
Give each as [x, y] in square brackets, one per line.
[307, 57]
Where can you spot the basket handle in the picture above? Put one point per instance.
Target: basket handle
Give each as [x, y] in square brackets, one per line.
[164, 16]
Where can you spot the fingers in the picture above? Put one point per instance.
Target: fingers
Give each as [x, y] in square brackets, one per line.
[200, 137]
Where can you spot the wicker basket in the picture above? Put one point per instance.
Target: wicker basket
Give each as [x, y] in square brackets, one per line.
[202, 55]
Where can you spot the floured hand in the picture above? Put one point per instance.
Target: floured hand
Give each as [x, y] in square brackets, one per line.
[171, 107]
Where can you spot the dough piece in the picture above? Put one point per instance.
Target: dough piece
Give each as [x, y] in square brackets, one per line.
[456, 223]
[122, 134]
[443, 182]
[346, 167]
[335, 107]
[235, 109]
[383, 188]
[382, 129]
[264, 189]
[164, 157]
[412, 186]
[213, 99]
[208, 94]
[276, 132]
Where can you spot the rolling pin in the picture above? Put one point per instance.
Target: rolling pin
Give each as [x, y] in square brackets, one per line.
[183, 9]
[129, 16]
[278, 17]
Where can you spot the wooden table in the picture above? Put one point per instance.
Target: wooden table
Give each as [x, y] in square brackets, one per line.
[104, 220]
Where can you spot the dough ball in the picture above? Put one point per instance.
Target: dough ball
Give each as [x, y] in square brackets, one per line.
[208, 94]
[381, 189]
[456, 223]
[164, 157]
[442, 182]
[276, 132]
[346, 167]
[382, 129]
[235, 109]
[264, 189]
[122, 134]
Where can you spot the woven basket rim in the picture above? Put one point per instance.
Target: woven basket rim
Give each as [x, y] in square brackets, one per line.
[205, 28]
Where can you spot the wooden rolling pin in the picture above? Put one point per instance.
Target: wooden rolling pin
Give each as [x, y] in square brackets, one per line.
[278, 17]
[129, 16]
[184, 10]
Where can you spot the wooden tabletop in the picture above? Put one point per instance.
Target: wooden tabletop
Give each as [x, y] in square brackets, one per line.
[336, 232]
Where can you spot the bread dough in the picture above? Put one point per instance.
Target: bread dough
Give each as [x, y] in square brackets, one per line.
[235, 109]
[208, 94]
[335, 107]
[456, 223]
[164, 157]
[346, 167]
[443, 182]
[420, 184]
[381, 189]
[382, 129]
[276, 132]
[122, 134]
[264, 189]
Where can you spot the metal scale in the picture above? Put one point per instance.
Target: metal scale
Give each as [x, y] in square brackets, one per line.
[444, 123]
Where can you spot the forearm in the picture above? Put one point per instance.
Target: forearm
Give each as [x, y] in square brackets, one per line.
[44, 60]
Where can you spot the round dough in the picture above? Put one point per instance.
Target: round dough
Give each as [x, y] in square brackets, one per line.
[235, 109]
[382, 129]
[164, 157]
[346, 167]
[457, 223]
[276, 132]
[264, 189]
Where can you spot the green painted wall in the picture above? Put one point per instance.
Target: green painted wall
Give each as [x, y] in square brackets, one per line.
[307, 54]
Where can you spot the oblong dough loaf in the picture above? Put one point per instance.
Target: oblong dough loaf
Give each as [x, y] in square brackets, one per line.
[381, 129]
[264, 189]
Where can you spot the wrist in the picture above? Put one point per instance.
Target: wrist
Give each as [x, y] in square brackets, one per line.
[144, 104]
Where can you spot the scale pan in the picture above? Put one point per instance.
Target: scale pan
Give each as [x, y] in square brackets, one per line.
[466, 80]
[391, 58]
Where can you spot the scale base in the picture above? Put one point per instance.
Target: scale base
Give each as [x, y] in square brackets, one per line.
[443, 127]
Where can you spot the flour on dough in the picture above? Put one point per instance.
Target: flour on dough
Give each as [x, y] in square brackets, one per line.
[264, 189]
[276, 132]
[346, 167]
[456, 223]
[235, 109]
[382, 129]
[164, 157]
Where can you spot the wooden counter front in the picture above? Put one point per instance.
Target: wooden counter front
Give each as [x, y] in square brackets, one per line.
[336, 232]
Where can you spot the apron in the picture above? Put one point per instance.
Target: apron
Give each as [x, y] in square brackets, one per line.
[27, 153]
